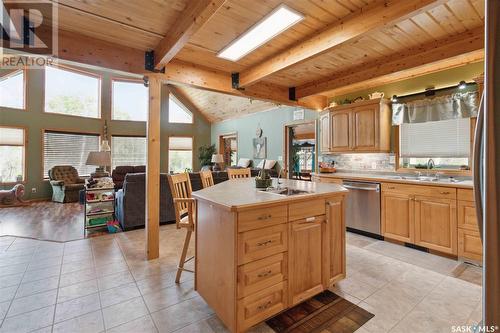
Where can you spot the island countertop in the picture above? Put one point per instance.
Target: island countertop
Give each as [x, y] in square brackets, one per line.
[238, 194]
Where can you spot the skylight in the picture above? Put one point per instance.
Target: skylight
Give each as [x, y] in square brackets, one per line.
[279, 20]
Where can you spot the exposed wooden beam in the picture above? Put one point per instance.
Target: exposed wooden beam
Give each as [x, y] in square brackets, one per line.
[190, 20]
[453, 62]
[364, 20]
[93, 52]
[449, 47]
[153, 171]
[178, 72]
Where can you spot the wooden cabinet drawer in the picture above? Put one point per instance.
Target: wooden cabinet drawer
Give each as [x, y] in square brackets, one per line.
[259, 218]
[261, 274]
[330, 180]
[261, 305]
[467, 218]
[305, 209]
[466, 195]
[261, 243]
[469, 245]
[424, 190]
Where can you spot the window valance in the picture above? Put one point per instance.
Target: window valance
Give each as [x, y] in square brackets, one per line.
[459, 105]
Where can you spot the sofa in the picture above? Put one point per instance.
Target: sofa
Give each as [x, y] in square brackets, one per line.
[66, 184]
[120, 172]
[130, 201]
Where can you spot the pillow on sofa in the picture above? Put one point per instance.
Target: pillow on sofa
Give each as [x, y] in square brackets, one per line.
[244, 162]
[269, 164]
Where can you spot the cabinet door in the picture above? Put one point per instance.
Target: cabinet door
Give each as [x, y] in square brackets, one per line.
[365, 128]
[398, 216]
[324, 132]
[436, 224]
[304, 255]
[340, 131]
[334, 264]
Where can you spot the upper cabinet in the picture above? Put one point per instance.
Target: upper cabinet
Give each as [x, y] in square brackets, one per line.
[361, 127]
[324, 130]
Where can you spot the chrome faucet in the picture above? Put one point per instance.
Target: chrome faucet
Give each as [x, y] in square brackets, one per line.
[430, 164]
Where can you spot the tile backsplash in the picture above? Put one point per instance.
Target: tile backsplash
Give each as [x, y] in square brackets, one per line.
[364, 162]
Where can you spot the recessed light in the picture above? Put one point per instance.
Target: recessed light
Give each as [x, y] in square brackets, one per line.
[462, 85]
[279, 20]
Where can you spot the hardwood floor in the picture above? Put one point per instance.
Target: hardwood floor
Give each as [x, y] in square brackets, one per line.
[44, 220]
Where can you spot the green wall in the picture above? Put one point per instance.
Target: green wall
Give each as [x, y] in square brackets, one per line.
[441, 79]
[35, 120]
[272, 123]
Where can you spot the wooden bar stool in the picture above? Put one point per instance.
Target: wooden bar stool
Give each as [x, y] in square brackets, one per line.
[239, 173]
[206, 178]
[185, 214]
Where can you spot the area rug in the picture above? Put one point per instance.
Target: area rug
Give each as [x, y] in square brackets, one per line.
[325, 312]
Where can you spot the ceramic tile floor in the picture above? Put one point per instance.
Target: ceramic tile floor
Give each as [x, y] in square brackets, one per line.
[105, 284]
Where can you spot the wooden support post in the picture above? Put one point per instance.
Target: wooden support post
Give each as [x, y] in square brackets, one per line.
[153, 171]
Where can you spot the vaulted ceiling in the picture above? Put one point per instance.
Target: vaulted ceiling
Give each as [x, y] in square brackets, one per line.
[340, 46]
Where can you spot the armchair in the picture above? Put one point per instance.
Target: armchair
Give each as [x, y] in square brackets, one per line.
[66, 184]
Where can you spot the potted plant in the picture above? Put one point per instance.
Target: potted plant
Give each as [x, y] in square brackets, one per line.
[205, 154]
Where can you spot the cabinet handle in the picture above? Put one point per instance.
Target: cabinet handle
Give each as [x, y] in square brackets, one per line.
[311, 219]
[391, 188]
[264, 243]
[264, 274]
[265, 217]
[444, 192]
[264, 306]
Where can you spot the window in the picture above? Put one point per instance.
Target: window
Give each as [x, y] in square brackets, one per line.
[12, 90]
[177, 112]
[128, 150]
[130, 101]
[71, 93]
[61, 148]
[180, 154]
[12, 151]
[446, 142]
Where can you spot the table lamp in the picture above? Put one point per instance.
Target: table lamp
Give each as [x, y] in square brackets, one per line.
[101, 159]
[217, 159]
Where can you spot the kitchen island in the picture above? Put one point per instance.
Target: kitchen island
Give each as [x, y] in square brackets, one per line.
[259, 253]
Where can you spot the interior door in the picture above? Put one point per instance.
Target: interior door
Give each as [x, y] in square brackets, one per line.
[340, 131]
[436, 224]
[365, 128]
[304, 255]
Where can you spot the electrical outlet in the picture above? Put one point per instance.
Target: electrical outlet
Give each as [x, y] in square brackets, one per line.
[33, 190]
[280, 158]
[392, 159]
[374, 165]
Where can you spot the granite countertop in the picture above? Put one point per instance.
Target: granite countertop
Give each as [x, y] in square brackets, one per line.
[241, 193]
[464, 182]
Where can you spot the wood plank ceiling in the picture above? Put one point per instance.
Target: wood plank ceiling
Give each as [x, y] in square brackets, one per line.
[141, 27]
[217, 106]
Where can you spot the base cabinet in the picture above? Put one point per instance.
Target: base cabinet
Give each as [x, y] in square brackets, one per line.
[421, 215]
[436, 224]
[470, 246]
[334, 261]
[305, 258]
[398, 217]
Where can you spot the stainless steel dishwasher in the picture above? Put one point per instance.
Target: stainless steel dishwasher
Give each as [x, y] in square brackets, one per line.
[363, 206]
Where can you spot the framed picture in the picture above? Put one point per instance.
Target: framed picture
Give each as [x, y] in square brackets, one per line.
[298, 114]
[259, 148]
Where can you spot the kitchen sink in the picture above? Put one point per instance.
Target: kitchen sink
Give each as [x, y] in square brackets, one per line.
[286, 191]
[426, 179]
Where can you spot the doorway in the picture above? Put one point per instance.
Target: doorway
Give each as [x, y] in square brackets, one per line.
[300, 150]
[228, 147]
